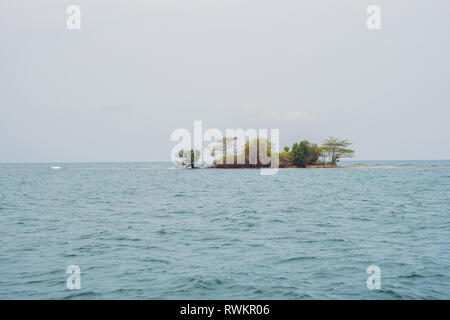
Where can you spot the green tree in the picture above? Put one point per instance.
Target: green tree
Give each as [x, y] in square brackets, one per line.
[336, 148]
[301, 154]
[305, 153]
[285, 158]
[315, 153]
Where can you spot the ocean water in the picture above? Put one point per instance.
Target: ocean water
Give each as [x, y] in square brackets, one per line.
[152, 231]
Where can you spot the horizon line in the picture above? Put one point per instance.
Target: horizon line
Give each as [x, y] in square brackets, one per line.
[68, 162]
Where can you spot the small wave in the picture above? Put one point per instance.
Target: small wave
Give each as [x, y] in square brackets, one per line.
[300, 258]
[83, 295]
[336, 240]
[393, 294]
[191, 283]
[156, 260]
[411, 276]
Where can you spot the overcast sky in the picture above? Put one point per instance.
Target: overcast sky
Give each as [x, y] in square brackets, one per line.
[116, 89]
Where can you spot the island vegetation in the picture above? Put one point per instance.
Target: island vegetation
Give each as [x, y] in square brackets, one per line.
[303, 154]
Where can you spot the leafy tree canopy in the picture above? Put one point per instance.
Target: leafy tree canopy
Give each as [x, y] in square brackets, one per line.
[337, 148]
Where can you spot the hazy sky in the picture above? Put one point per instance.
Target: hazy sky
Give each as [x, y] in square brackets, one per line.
[116, 89]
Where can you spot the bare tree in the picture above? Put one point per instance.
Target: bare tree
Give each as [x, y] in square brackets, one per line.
[188, 158]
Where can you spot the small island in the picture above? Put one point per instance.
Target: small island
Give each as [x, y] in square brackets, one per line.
[303, 154]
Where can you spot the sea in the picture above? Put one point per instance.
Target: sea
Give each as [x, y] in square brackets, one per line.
[371, 230]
